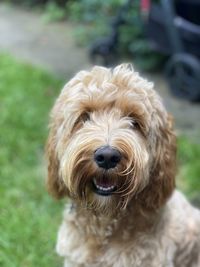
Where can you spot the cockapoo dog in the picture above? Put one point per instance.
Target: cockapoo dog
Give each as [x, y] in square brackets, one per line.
[112, 151]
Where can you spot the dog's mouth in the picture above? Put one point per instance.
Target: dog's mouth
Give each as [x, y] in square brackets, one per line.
[103, 186]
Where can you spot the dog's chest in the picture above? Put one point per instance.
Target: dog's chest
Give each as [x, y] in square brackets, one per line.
[89, 244]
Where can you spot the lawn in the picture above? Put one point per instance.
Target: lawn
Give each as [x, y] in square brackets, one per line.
[188, 178]
[29, 218]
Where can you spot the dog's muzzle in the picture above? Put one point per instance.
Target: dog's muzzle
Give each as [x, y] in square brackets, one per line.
[106, 158]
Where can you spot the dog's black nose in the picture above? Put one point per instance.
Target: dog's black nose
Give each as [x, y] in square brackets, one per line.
[107, 157]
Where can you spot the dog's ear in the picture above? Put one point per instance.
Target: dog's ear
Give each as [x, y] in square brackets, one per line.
[162, 173]
[55, 184]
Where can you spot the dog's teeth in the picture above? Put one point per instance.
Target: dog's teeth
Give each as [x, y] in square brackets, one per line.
[105, 189]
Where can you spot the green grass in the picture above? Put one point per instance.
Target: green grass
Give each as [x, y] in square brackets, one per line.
[188, 179]
[29, 218]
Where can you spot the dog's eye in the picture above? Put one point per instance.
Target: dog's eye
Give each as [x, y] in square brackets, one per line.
[80, 120]
[134, 124]
[84, 117]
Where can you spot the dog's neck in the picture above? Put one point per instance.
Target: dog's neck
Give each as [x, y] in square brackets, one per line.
[133, 218]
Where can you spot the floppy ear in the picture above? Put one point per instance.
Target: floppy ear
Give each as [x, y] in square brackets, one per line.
[162, 176]
[55, 184]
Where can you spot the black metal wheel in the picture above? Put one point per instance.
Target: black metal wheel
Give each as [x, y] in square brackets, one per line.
[183, 75]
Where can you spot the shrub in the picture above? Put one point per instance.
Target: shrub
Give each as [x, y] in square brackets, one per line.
[37, 2]
[96, 17]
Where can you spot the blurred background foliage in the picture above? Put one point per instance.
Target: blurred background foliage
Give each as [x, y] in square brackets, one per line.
[97, 17]
[93, 20]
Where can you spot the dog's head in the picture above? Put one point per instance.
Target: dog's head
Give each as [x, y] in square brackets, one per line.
[111, 141]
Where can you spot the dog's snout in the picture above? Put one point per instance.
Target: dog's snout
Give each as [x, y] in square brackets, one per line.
[107, 157]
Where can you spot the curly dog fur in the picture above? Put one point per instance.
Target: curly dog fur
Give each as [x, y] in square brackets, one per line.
[112, 151]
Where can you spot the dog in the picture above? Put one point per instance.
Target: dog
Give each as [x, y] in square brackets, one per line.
[111, 151]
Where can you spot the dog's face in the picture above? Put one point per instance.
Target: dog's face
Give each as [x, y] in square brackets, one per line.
[111, 142]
